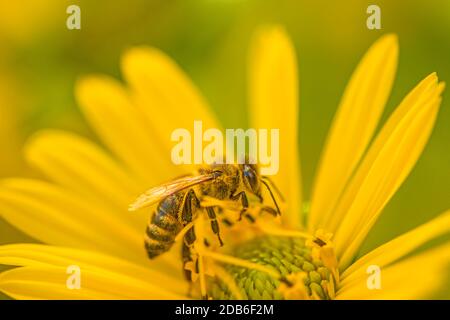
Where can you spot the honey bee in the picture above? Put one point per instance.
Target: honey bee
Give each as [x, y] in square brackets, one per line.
[179, 203]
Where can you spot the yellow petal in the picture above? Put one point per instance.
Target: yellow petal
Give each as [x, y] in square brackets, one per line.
[397, 248]
[121, 126]
[53, 215]
[44, 256]
[355, 122]
[385, 167]
[164, 94]
[50, 283]
[414, 278]
[273, 86]
[83, 168]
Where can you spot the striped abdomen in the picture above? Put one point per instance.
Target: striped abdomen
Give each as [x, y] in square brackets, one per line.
[164, 225]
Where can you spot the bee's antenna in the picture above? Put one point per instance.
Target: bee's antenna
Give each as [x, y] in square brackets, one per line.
[275, 187]
[271, 195]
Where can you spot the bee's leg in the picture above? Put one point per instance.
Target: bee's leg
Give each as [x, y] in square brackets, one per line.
[187, 211]
[270, 210]
[189, 238]
[227, 222]
[250, 218]
[187, 257]
[243, 196]
[188, 243]
[187, 216]
[191, 203]
[214, 224]
[192, 271]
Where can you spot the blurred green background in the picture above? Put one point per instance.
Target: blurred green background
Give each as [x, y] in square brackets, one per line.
[40, 60]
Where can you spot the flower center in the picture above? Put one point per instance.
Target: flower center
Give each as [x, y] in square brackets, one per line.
[289, 257]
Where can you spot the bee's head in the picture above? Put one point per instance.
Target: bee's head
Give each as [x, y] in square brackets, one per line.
[251, 178]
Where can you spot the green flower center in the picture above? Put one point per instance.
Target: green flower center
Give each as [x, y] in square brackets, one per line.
[283, 254]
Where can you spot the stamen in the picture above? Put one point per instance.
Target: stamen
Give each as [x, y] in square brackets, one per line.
[297, 290]
[229, 281]
[201, 271]
[320, 242]
[323, 248]
[241, 263]
[330, 287]
[269, 229]
[273, 267]
[284, 264]
[330, 261]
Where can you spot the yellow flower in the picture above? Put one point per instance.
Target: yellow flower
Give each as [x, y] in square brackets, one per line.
[81, 214]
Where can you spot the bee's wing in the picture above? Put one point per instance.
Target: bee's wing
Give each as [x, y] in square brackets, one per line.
[156, 194]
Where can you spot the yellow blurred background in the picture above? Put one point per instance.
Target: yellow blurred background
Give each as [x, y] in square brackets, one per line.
[40, 60]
